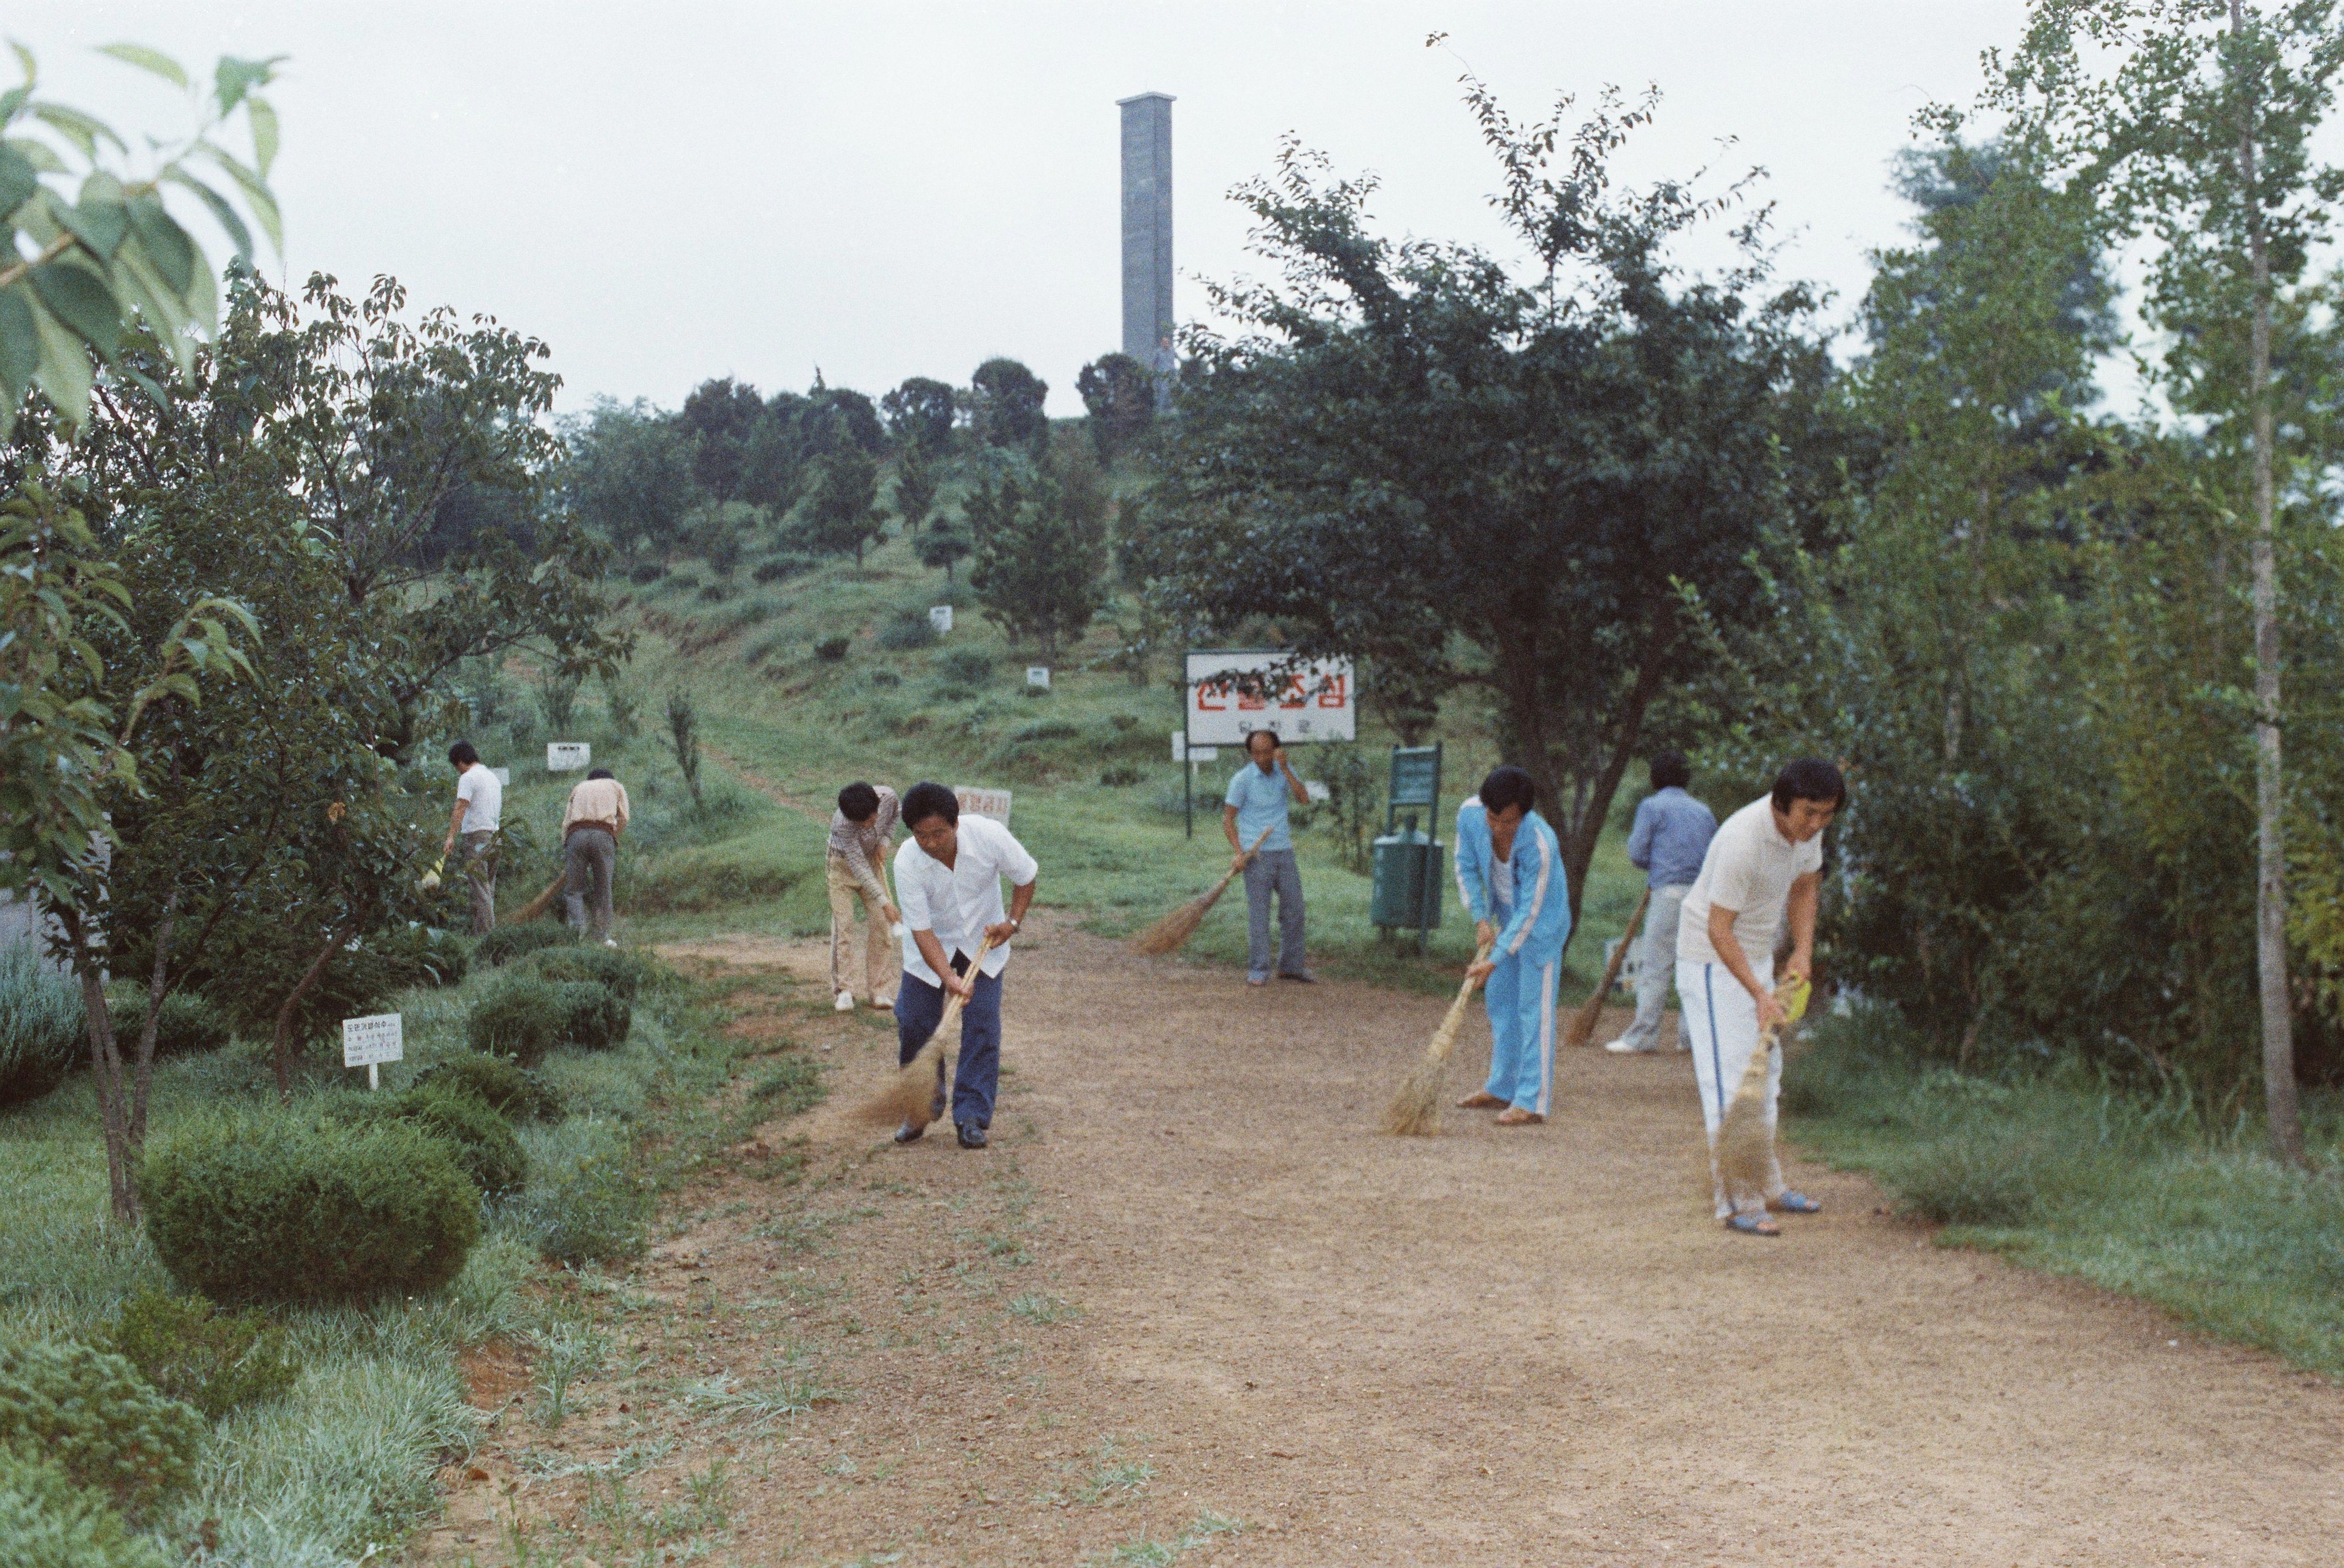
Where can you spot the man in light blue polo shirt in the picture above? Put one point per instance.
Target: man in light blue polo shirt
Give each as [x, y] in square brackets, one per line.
[1671, 833]
[1259, 799]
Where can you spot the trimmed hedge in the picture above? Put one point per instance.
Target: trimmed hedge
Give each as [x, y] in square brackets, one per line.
[47, 1522]
[520, 1019]
[187, 1025]
[282, 1207]
[90, 1414]
[593, 1017]
[40, 1024]
[212, 1360]
[483, 1140]
[625, 974]
[503, 1086]
[507, 943]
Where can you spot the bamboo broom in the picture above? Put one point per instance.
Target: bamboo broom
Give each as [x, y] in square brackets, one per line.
[1744, 1141]
[911, 1095]
[1583, 1022]
[1414, 1111]
[1168, 934]
[538, 905]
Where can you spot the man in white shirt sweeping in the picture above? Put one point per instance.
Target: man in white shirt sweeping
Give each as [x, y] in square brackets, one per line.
[948, 880]
[478, 814]
[1765, 863]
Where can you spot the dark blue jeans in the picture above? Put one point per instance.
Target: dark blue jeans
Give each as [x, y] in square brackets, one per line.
[919, 1006]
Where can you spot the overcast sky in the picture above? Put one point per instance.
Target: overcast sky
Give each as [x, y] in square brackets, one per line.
[669, 192]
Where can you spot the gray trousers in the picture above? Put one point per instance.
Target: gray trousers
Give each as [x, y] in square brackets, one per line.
[590, 857]
[1658, 970]
[481, 877]
[1274, 870]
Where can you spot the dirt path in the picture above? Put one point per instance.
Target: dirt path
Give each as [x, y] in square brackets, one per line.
[1490, 1347]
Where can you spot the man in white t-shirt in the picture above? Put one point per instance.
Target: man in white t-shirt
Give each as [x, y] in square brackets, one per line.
[949, 885]
[1764, 865]
[478, 811]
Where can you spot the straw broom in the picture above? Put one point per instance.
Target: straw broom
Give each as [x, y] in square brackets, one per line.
[1168, 934]
[538, 905]
[911, 1094]
[1744, 1141]
[1582, 1022]
[1414, 1111]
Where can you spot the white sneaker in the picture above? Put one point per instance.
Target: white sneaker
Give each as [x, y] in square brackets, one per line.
[845, 1003]
[1620, 1047]
[610, 941]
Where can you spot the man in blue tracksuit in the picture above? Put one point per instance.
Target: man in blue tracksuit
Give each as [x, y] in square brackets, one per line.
[1510, 874]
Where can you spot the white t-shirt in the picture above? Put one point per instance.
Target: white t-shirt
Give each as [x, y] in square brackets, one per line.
[1749, 869]
[957, 903]
[483, 798]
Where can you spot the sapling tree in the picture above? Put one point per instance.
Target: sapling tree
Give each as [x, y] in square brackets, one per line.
[916, 488]
[945, 544]
[1041, 548]
[683, 734]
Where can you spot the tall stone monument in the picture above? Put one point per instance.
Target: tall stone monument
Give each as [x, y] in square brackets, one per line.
[1146, 223]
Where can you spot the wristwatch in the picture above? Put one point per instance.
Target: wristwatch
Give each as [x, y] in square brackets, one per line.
[1016, 925]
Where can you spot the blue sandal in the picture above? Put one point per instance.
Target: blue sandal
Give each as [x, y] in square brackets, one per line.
[1758, 1224]
[1796, 1203]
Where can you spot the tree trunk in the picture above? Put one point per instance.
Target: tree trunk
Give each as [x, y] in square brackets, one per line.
[105, 1068]
[2280, 1100]
[281, 1048]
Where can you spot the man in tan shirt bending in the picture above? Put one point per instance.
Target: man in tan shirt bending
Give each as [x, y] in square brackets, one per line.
[590, 825]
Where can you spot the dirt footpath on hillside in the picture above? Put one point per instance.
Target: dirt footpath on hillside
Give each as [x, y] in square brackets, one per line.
[1191, 1290]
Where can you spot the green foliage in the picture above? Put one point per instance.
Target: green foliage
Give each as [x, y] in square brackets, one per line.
[1119, 393]
[593, 1017]
[1008, 406]
[283, 1207]
[1041, 549]
[479, 1138]
[47, 1522]
[920, 416]
[192, 1352]
[782, 567]
[841, 515]
[557, 698]
[966, 666]
[507, 943]
[831, 650]
[622, 973]
[499, 1083]
[916, 488]
[1354, 807]
[521, 1018]
[683, 734]
[90, 1414]
[629, 476]
[416, 954]
[584, 1203]
[789, 1085]
[908, 630]
[186, 1025]
[40, 1025]
[947, 544]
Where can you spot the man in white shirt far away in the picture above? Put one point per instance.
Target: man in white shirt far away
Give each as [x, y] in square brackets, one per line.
[478, 811]
[948, 880]
[1765, 863]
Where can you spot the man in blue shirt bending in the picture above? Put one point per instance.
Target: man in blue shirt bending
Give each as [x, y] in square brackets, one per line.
[1671, 833]
[1256, 804]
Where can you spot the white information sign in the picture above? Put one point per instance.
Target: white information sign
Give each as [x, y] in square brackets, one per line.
[1038, 676]
[567, 756]
[992, 803]
[504, 777]
[1317, 791]
[369, 1042]
[1232, 692]
[940, 617]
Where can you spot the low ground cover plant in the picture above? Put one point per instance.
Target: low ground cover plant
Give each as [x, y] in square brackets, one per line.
[48, 1521]
[282, 1205]
[622, 973]
[504, 1086]
[213, 1361]
[91, 1413]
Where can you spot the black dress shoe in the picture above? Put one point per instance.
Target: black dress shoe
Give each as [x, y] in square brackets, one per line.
[911, 1132]
[971, 1135]
[1304, 975]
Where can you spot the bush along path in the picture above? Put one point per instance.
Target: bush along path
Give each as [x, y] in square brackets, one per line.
[1190, 1307]
[272, 1370]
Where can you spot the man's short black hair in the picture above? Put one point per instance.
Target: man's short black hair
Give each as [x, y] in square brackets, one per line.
[858, 801]
[1809, 778]
[1670, 770]
[1509, 786]
[1251, 734]
[928, 800]
[462, 754]
[598, 773]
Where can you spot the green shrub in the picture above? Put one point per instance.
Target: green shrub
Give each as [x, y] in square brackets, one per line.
[622, 973]
[47, 1522]
[521, 1018]
[966, 667]
[277, 1207]
[507, 943]
[1120, 777]
[186, 1025]
[716, 592]
[585, 1204]
[644, 573]
[196, 1353]
[41, 1024]
[831, 648]
[1964, 1180]
[908, 628]
[779, 567]
[419, 955]
[481, 1140]
[503, 1086]
[593, 1017]
[89, 1413]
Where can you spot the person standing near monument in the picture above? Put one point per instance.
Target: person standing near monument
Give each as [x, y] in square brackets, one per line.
[862, 831]
[479, 812]
[1260, 798]
[591, 822]
[1765, 864]
[1510, 874]
[1671, 835]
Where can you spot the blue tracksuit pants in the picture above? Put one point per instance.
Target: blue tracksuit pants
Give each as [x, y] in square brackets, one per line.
[1520, 996]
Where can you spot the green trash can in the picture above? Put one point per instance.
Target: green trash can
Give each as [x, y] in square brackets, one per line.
[1406, 892]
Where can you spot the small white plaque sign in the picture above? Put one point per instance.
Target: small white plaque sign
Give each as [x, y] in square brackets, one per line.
[567, 756]
[940, 617]
[369, 1042]
[1038, 676]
